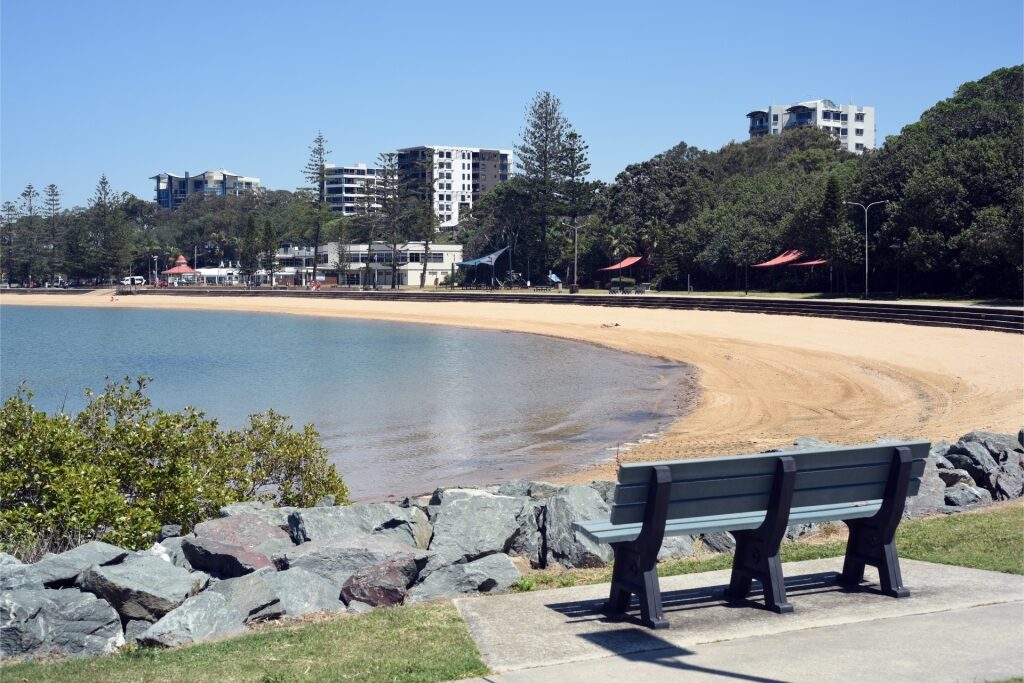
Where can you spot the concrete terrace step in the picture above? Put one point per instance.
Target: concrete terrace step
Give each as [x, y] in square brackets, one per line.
[955, 316]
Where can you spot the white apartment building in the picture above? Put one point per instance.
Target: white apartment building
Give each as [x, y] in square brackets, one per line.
[346, 264]
[350, 189]
[172, 189]
[854, 125]
[461, 175]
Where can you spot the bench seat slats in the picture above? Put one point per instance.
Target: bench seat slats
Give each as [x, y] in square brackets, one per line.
[764, 464]
[747, 485]
[703, 507]
[604, 531]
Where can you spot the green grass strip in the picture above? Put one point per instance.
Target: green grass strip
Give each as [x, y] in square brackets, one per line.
[405, 645]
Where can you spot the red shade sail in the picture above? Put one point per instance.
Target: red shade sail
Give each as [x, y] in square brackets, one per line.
[782, 259]
[628, 262]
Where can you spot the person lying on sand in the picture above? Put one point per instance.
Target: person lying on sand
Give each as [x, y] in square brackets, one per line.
[609, 324]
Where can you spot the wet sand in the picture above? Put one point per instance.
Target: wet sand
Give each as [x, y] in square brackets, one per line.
[764, 379]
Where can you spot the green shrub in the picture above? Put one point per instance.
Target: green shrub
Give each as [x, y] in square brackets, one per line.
[622, 282]
[120, 469]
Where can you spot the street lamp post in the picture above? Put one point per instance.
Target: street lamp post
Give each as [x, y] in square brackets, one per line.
[156, 271]
[884, 201]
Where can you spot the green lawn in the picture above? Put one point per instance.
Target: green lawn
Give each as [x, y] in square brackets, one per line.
[407, 644]
[430, 643]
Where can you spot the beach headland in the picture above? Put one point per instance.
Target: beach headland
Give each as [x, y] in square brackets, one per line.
[764, 379]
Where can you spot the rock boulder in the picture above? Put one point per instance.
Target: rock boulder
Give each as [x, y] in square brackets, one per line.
[206, 616]
[57, 622]
[233, 546]
[468, 527]
[302, 592]
[492, 573]
[566, 546]
[142, 587]
[338, 559]
[60, 571]
[380, 585]
[405, 524]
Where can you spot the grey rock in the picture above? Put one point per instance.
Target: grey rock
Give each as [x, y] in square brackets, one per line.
[203, 617]
[938, 452]
[252, 596]
[962, 495]
[274, 516]
[718, 542]
[357, 607]
[380, 585]
[338, 559]
[142, 587]
[325, 502]
[60, 571]
[467, 528]
[528, 541]
[514, 488]
[954, 477]
[676, 548]
[175, 554]
[15, 577]
[796, 531]
[489, 574]
[134, 629]
[565, 545]
[168, 531]
[1020, 437]
[7, 560]
[605, 488]
[236, 545]
[931, 494]
[302, 592]
[57, 622]
[407, 525]
[994, 443]
[441, 495]
[973, 457]
[542, 490]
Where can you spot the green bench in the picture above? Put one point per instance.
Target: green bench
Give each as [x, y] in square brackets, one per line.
[756, 497]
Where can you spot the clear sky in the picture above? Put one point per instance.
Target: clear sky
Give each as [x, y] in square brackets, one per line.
[135, 88]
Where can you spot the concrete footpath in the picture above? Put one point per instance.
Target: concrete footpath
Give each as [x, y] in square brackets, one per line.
[958, 625]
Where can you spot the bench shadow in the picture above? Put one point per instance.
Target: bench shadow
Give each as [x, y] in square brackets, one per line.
[636, 642]
[652, 649]
[675, 602]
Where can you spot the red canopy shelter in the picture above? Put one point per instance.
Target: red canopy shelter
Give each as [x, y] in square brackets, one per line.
[628, 262]
[181, 269]
[782, 259]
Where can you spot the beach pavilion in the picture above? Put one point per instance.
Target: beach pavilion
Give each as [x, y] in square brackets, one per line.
[628, 264]
[181, 273]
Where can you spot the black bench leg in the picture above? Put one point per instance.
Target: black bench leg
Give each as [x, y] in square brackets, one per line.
[635, 570]
[757, 550]
[872, 541]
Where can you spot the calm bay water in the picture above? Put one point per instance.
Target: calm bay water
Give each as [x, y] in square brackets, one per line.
[401, 408]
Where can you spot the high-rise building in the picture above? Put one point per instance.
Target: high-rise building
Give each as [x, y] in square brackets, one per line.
[461, 175]
[351, 189]
[172, 189]
[853, 125]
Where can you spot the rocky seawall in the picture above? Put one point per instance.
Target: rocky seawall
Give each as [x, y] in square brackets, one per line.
[258, 563]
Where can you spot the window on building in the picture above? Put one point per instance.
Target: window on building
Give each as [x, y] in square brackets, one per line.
[858, 131]
[860, 146]
[436, 257]
[843, 131]
[827, 115]
[843, 117]
[775, 118]
[858, 117]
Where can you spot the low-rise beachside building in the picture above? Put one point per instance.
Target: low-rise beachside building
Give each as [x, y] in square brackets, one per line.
[364, 265]
[224, 274]
[172, 189]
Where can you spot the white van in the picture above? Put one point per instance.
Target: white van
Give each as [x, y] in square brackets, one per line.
[133, 280]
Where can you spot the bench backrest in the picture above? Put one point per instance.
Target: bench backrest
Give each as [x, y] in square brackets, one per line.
[739, 484]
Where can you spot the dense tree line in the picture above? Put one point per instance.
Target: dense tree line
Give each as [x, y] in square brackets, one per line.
[951, 223]
[953, 184]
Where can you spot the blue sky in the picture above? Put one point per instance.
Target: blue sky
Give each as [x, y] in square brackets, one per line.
[132, 89]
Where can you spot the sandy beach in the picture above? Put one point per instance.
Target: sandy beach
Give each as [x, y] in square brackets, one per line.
[764, 379]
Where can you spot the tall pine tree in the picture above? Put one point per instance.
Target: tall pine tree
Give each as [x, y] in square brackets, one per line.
[315, 173]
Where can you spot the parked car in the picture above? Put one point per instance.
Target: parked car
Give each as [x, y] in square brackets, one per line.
[133, 280]
[161, 283]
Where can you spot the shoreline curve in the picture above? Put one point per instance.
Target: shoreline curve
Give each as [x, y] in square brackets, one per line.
[763, 380]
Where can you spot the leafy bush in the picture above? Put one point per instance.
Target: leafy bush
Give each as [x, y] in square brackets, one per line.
[120, 469]
[622, 282]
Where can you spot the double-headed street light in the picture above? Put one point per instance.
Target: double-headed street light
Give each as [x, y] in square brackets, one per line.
[884, 201]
